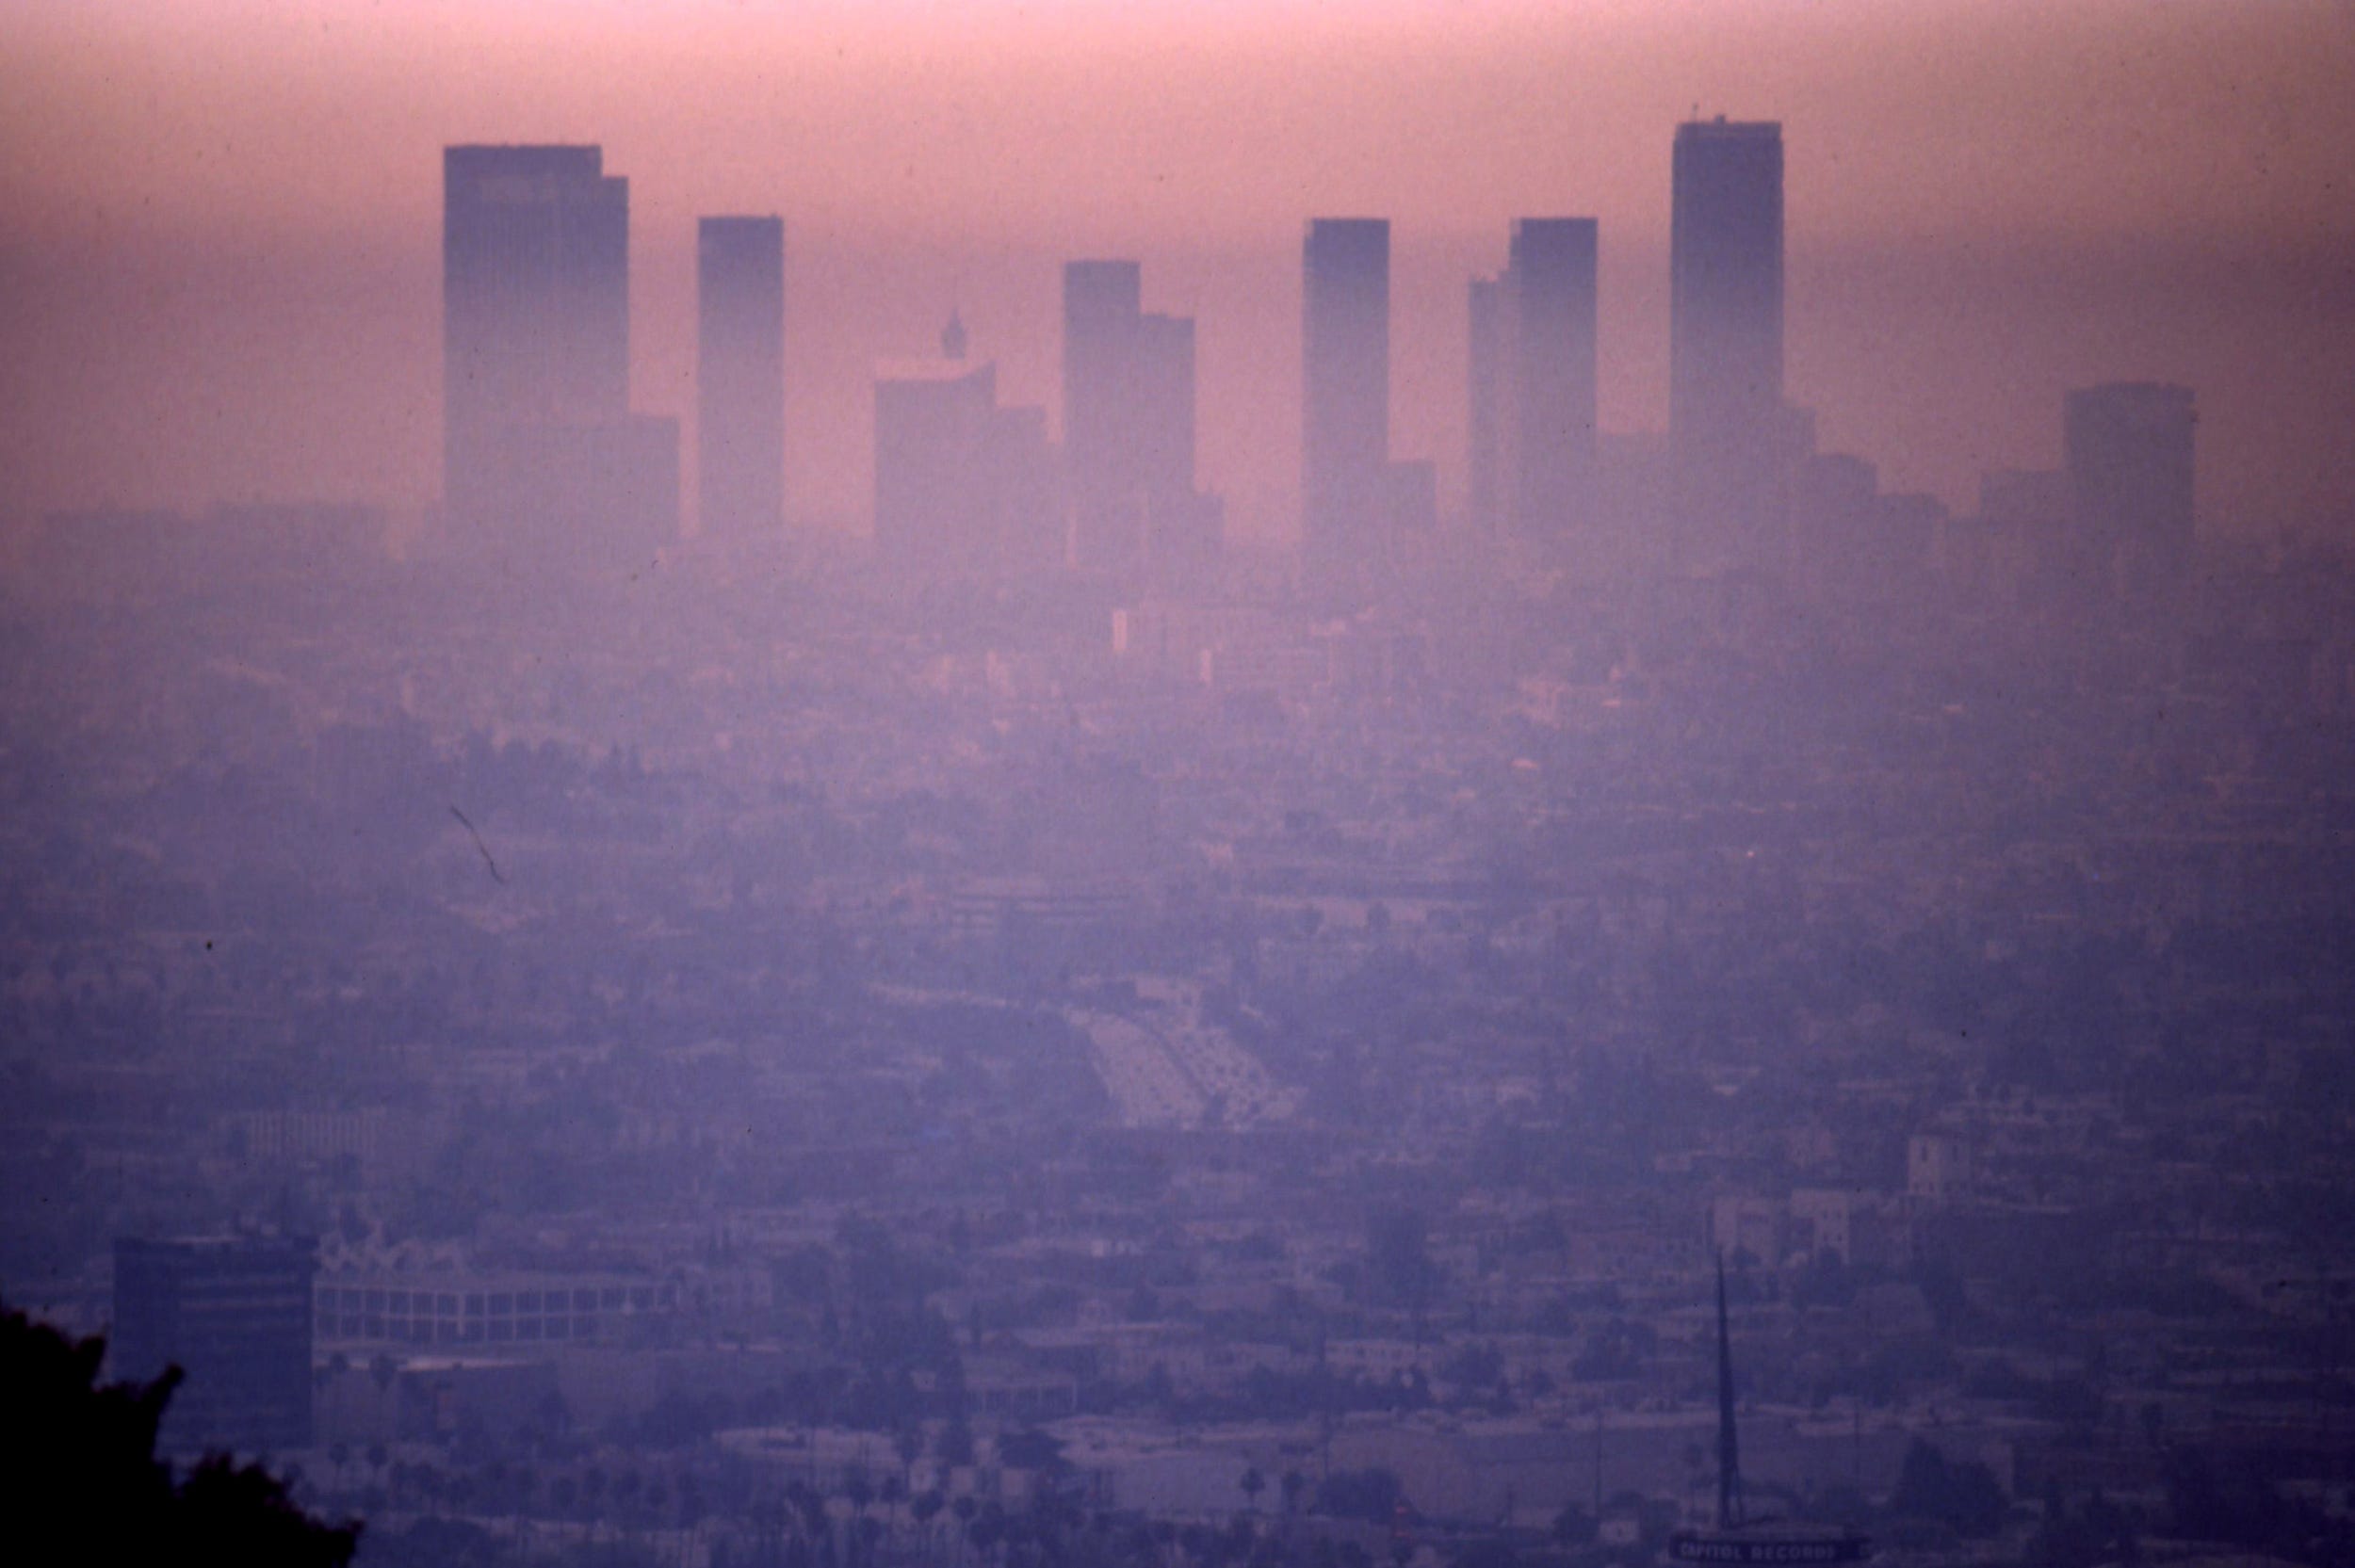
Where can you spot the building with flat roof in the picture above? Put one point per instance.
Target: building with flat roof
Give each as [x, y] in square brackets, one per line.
[1726, 340]
[1346, 389]
[1128, 424]
[539, 445]
[1550, 295]
[740, 377]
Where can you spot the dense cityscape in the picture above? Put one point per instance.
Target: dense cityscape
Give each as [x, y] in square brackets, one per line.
[602, 1024]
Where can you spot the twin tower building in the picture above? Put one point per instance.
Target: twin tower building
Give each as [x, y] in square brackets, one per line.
[543, 450]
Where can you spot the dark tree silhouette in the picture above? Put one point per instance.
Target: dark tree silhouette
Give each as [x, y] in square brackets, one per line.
[78, 1469]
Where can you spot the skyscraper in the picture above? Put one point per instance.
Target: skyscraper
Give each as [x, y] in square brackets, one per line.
[1165, 406]
[1102, 303]
[1724, 338]
[539, 444]
[1129, 423]
[535, 299]
[1346, 390]
[739, 376]
[2128, 449]
[1550, 443]
[233, 1314]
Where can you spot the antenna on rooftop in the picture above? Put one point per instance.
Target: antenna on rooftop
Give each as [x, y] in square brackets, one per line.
[1729, 1452]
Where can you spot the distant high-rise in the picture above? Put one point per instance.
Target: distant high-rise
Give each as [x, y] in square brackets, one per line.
[535, 299]
[2129, 456]
[1165, 405]
[1345, 386]
[1102, 302]
[1725, 339]
[537, 438]
[739, 376]
[1552, 306]
[1128, 421]
[233, 1314]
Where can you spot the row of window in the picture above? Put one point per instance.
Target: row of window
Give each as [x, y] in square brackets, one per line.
[451, 1331]
[346, 1300]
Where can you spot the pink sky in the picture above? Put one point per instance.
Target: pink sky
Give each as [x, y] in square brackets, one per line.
[219, 222]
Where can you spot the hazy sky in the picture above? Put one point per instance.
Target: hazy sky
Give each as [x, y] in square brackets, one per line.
[220, 222]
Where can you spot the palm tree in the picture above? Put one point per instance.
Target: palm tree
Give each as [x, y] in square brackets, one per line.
[964, 1509]
[812, 1509]
[857, 1486]
[908, 1442]
[924, 1508]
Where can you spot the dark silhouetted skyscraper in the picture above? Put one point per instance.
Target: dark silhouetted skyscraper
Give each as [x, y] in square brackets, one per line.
[233, 1314]
[740, 377]
[1345, 386]
[539, 444]
[1725, 348]
[2128, 449]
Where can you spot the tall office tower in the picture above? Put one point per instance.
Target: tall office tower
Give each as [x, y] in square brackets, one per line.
[1129, 423]
[1484, 452]
[1102, 306]
[539, 444]
[535, 299]
[233, 1314]
[1345, 391]
[1166, 407]
[1549, 441]
[740, 377]
[1725, 340]
[2128, 448]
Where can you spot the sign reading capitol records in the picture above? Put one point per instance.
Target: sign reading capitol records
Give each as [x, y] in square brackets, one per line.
[1775, 1548]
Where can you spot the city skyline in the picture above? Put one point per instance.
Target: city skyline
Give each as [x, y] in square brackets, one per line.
[1246, 785]
[2195, 251]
